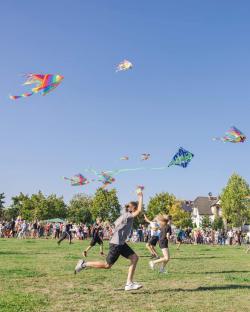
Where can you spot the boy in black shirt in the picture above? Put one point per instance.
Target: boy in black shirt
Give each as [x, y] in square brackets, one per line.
[97, 238]
[166, 232]
[66, 234]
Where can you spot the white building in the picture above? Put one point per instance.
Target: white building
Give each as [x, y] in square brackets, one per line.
[205, 207]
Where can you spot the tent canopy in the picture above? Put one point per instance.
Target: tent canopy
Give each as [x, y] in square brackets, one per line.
[55, 220]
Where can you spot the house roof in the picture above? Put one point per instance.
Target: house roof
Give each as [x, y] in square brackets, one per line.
[204, 204]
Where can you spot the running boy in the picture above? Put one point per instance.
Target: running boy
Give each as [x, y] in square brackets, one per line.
[118, 246]
[97, 238]
[66, 234]
[154, 237]
[165, 225]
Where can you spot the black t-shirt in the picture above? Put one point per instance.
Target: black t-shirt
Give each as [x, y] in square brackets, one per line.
[35, 226]
[68, 227]
[97, 231]
[164, 231]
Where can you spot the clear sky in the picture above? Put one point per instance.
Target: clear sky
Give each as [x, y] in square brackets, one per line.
[190, 82]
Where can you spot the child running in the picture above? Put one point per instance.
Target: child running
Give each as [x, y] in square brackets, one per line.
[154, 237]
[66, 234]
[97, 238]
[118, 246]
[165, 225]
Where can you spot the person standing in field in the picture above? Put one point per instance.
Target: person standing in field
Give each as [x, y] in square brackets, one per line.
[154, 236]
[97, 238]
[166, 232]
[118, 246]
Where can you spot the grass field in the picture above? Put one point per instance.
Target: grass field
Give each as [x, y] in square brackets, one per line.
[37, 275]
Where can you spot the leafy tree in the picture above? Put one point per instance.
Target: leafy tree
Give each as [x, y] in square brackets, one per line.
[181, 218]
[45, 208]
[10, 213]
[160, 203]
[218, 223]
[2, 202]
[80, 209]
[23, 205]
[205, 223]
[106, 205]
[234, 207]
[38, 206]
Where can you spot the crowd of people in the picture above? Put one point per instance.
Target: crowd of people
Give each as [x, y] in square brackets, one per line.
[22, 229]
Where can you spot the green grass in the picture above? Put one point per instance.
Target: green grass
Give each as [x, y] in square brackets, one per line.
[37, 276]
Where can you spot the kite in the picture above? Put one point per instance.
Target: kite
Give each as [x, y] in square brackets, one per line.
[77, 180]
[106, 178]
[233, 135]
[44, 84]
[124, 65]
[124, 158]
[145, 156]
[181, 158]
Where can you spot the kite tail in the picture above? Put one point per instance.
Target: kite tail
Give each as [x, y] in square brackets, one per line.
[15, 97]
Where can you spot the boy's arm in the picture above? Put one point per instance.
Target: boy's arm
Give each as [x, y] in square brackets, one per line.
[146, 219]
[140, 205]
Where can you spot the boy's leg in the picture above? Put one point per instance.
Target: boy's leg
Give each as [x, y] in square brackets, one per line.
[149, 248]
[101, 248]
[131, 271]
[62, 238]
[85, 253]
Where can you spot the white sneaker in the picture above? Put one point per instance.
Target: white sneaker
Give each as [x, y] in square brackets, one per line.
[132, 286]
[163, 271]
[80, 266]
[151, 265]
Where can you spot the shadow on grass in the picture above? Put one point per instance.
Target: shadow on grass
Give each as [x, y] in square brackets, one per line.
[202, 288]
[12, 253]
[195, 258]
[219, 272]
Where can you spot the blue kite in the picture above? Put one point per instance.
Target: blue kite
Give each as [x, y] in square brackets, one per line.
[181, 158]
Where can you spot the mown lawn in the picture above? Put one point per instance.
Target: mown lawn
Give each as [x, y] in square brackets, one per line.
[37, 275]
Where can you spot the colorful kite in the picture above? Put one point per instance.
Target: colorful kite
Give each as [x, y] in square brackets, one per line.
[145, 156]
[106, 178]
[124, 158]
[44, 84]
[124, 65]
[77, 180]
[233, 135]
[181, 158]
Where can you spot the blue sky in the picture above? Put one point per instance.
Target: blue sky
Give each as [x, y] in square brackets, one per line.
[190, 82]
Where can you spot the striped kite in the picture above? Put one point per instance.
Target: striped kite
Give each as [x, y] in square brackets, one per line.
[77, 180]
[233, 135]
[44, 84]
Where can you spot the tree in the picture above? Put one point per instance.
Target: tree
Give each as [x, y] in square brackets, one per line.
[2, 202]
[205, 223]
[38, 206]
[160, 203]
[181, 218]
[234, 207]
[106, 205]
[10, 213]
[80, 209]
[22, 204]
[218, 223]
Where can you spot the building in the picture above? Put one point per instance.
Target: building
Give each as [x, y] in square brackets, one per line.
[205, 207]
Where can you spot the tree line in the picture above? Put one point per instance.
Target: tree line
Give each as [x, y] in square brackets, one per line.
[83, 208]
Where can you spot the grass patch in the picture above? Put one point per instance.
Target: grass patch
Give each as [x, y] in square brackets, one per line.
[38, 276]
